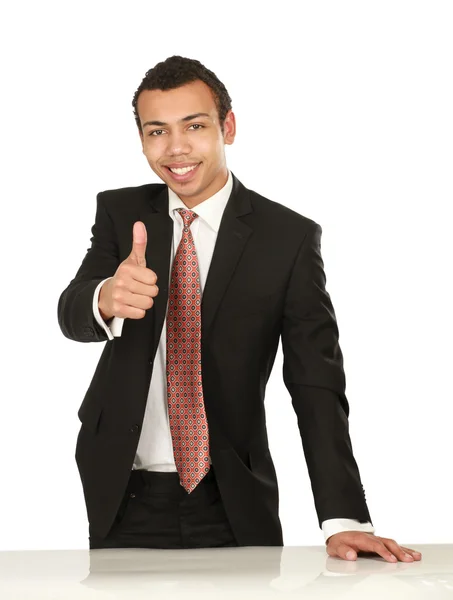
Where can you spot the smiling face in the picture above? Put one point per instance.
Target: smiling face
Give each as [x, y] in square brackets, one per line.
[183, 141]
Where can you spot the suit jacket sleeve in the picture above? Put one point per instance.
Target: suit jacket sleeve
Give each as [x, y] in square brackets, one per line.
[314, 376]
[75, 306]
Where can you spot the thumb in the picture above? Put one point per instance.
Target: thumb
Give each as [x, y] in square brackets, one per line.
[341, 549]
[139, 240]
[346, 552]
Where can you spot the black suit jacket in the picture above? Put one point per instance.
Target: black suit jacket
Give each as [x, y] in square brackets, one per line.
[266, 281]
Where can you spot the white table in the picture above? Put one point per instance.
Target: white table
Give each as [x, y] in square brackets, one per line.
[220, 573]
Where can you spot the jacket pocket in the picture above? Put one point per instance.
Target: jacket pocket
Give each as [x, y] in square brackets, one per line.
[90, 416]
[262, 466]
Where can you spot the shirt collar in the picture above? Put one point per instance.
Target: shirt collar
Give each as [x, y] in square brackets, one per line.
[210, 210]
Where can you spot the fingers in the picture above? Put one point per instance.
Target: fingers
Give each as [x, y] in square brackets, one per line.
[402, 553]
[130, 312]
[136, 286]
[139, 241]
[415, 553]
[367, 544]
[381, 549]
[398, 551]
[348, 544]
[146, 276]
[124, 298]
[128, 270]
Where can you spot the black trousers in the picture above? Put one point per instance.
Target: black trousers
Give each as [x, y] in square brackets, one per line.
[157, 512]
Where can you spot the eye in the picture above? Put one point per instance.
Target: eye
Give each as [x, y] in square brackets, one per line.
[197, 125]
[155, 131]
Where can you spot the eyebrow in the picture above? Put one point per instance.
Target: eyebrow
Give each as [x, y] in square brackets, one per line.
[188, 118]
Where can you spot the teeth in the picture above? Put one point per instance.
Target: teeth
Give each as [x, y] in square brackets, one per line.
[183, 170]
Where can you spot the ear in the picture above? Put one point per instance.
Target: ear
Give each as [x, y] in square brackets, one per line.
[141, 139]
[229, 128]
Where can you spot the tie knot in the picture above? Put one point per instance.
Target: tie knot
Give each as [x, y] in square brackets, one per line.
[187, 215]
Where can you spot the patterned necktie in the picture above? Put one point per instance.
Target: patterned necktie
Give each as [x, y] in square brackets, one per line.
[186, 410]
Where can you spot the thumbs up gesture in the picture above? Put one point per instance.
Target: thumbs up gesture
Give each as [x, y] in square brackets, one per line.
[130, 292]
[139, 241]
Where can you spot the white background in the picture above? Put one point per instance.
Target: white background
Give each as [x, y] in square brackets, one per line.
[344, 113]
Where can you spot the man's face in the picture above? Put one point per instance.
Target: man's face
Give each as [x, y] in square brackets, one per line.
[174, 134]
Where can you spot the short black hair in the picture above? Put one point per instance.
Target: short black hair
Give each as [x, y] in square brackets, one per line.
[176, 71]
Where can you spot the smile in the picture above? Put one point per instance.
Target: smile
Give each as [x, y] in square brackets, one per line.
[183, 173]
[183, 170]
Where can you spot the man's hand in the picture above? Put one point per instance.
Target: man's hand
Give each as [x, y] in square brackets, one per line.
[347, 544]
[131, 290]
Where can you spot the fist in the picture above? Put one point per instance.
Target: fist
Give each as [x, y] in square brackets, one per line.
[131, 291]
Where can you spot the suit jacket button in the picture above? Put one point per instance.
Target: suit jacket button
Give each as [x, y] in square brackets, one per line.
[134, 428]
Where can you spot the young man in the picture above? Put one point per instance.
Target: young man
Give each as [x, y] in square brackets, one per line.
[192, 283]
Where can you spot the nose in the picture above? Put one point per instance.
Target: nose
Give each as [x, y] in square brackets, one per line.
[178, 143]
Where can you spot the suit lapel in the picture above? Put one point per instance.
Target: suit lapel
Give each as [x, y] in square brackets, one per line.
[231, 240]
[159, 227]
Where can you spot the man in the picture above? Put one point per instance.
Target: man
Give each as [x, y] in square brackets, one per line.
[173, 450]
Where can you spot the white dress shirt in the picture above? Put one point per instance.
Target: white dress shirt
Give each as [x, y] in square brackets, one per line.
[155, 448]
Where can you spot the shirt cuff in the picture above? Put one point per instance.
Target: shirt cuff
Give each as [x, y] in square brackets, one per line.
[332, 526]
[115, 325]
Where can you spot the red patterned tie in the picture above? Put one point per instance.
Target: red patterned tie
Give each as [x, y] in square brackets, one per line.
[186, 410]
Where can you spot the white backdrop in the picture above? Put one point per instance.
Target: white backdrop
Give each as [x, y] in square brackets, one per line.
[344, 114]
